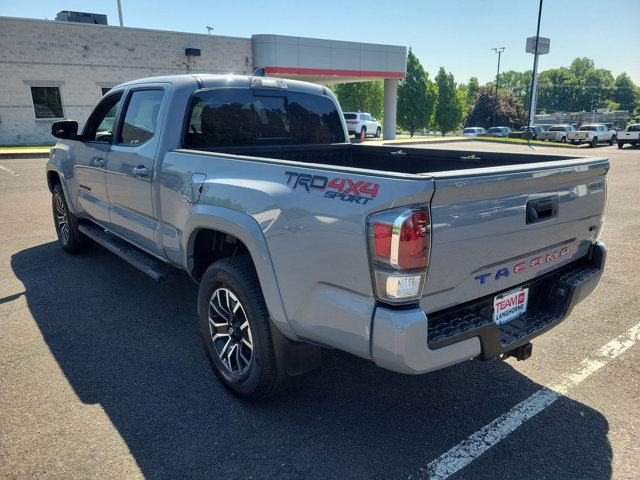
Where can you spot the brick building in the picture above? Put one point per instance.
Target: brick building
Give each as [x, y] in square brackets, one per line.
[57, 69]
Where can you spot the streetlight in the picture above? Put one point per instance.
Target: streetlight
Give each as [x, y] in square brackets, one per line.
[499, 51]
[209, 28]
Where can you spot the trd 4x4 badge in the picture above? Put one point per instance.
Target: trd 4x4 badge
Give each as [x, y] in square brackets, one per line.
[339, 188]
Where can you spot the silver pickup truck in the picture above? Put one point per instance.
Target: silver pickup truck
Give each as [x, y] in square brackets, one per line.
[592, 134]
[413, 258]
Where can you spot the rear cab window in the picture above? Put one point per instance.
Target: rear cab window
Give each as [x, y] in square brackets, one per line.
[229, 117]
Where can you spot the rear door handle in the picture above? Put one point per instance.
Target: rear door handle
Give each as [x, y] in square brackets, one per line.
[140, 171]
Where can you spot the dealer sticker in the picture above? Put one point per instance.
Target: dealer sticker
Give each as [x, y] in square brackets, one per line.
[510, 305]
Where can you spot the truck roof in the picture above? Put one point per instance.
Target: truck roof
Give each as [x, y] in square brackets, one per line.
[209, 80]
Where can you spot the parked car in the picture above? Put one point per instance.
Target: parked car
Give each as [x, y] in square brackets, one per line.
[299, 239]
[592, 134]
[358, 122]
[473, 131]
[630, 135]
[556, 133]
[536, 129]
[499, 132]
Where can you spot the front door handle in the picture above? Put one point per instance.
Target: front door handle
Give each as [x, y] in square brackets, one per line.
[140, 171]
[98, 162]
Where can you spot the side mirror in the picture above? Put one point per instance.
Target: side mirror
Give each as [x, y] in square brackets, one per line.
[65, 129]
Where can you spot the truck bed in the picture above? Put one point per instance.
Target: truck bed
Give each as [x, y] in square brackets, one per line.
[396, 159]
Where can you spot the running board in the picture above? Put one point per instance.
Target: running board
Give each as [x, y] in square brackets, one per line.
[156, 269]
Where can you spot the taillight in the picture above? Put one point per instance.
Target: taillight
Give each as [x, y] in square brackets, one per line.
[399, 242]
[586, 135]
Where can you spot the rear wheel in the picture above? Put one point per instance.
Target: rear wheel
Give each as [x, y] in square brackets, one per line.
[235, 329]
[363, 132]
[593, 142]
[70, 238]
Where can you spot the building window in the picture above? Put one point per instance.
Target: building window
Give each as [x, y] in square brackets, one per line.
[105, 90]
[47, 102]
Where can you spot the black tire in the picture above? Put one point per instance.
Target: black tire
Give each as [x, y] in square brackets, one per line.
[593, 142]
[251, 372]
[378, 132]
[573, 142]
[563, 140]
[70, 238]
[611, 140]
[620, 144]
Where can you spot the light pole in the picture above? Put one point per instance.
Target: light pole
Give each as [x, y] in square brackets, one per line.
[499, 51]
[120, 13]
[532, 103]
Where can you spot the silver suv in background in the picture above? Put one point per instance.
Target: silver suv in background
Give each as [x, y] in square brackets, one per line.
[473, 131]
[499, 132]
[357, 122]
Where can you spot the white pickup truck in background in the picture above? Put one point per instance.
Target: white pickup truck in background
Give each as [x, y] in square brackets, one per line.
[592, 134]
[630, 135]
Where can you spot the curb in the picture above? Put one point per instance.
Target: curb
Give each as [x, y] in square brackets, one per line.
[18, 155]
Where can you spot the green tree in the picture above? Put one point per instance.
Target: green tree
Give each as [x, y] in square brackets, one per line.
[449, 107]
[472, 87]
[416, 97]
[518, 83]
[510, 111]
[625, 92]
[557, 90]
[361, 97]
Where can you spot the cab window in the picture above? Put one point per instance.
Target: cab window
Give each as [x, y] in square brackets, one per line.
[99, 127]
[141, 117]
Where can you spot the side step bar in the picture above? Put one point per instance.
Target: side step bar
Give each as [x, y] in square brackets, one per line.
[156, 269]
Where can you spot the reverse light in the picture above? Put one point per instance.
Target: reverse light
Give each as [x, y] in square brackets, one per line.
[399, 243]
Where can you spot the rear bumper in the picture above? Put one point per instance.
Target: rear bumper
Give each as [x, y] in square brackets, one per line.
[406, 341]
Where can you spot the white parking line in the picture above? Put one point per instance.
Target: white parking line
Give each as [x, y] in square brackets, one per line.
[8, 170]
[476, 444]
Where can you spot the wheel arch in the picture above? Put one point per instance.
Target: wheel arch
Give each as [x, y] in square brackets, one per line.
[214, 233]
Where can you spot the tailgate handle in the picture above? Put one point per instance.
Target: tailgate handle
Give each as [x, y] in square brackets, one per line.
[541, 210]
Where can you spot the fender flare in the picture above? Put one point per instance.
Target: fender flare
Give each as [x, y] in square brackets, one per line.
[60, 157]
[245, 228]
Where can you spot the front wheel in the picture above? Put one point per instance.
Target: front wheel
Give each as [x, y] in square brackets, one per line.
[235, 329]
[593, 142]
[70, 238]
[611, 140]
[378, 132]
[563, 140]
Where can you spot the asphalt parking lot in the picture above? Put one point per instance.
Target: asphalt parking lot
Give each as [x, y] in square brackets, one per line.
[103, 375]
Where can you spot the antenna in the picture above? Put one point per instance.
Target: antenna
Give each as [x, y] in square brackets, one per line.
[210, 29]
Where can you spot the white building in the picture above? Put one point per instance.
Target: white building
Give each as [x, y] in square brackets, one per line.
[54, 69]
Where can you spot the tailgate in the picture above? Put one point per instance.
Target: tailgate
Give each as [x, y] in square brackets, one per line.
[496, 228]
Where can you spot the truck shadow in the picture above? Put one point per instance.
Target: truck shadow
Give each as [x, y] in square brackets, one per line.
[132, 346]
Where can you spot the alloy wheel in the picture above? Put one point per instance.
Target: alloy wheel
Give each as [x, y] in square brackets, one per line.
[230, 332]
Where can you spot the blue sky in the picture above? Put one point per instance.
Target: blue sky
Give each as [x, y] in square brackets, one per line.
[457, 35]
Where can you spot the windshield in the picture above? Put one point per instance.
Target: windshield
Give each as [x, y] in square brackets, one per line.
[588, 128]
[350, 116]
[556, 129]
[633, 128]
